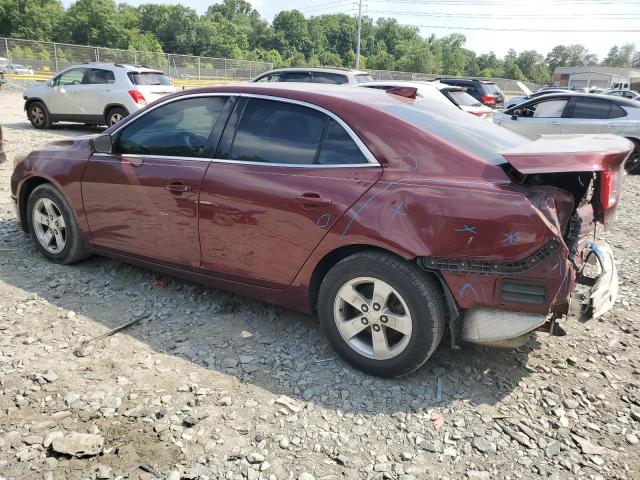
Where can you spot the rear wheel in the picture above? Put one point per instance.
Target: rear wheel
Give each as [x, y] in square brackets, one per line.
[53, 226]
[382, 314]
[115, 115]
[39, 115]
[633, 162]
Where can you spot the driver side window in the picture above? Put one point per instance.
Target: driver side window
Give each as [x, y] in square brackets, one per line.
[544, 109]
[71, 77]
[177, 129]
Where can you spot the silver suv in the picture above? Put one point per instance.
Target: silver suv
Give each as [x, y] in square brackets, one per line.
[98, 94]
[335, 76]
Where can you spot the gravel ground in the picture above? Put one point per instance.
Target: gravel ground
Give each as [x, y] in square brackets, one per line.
[214, 385]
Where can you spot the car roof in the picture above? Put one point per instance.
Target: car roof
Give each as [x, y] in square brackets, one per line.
[623, 102]
[466, 80]
[437, 85]
[116, 66]
[316, 69]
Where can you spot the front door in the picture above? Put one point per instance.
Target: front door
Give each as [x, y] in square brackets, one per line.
[534, 119]
[66, 94]
[143, 198]
[282, 180]
[95, 93]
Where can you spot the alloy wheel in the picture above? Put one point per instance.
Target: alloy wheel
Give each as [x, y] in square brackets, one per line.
[49, 225]
[37, 115]
[373, 318]
[115, 118]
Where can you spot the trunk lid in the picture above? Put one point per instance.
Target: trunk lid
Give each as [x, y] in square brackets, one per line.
[589, 167]
[151, 84]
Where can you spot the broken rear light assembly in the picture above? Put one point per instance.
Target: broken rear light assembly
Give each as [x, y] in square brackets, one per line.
[609, 188]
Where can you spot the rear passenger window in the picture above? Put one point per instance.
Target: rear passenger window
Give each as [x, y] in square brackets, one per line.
[277, 132]
[295, 77]
[98, 76]
[332, 78]
[338, 148]
[617, 111]
[592, 108]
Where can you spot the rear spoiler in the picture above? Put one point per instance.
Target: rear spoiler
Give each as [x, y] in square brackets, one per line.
[570, 153]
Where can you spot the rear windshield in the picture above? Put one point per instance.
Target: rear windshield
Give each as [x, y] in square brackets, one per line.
[465, 131]
[148, 78]
[463, 98]
[364, 77]
[492, 88]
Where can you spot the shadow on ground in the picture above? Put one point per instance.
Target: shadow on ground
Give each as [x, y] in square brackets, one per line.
[208, 327]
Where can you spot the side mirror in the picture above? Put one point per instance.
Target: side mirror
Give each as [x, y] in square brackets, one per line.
[101, 144]
[514, 116]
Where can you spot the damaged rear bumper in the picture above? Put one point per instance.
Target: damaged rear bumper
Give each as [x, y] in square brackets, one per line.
[595, 294]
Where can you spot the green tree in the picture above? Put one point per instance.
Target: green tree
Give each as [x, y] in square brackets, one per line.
[30, 19]
[292, 28]
[93, 22]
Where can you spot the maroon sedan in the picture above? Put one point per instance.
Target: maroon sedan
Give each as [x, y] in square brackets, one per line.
[393, 218]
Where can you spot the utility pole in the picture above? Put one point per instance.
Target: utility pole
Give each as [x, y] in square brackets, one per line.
[359, 29]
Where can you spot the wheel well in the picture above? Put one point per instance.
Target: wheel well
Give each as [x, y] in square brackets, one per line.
[635, 141]
[28, 103]
[111, 106]
[327, 263]
[25, 192]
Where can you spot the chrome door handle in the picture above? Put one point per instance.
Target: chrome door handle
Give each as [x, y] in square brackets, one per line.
[312, 200]
[178, 187]
[554, 123]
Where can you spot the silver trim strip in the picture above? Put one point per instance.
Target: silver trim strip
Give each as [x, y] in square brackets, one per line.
[156, 157]
[372, 162]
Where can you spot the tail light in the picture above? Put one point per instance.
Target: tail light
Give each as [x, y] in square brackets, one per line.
[488, 99]
[609, 189]
[137, 97]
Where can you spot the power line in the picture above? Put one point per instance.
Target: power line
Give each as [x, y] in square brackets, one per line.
[533, 30]
[612, 16]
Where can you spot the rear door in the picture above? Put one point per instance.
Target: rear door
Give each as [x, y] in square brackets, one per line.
[533, 119]
[96, 87]
[143, 198]
[284, 174]
[594, 115]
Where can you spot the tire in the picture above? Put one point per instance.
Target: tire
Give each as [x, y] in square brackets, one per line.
[413, 292]
[632, 166]
[115, 115]
[48, 201]
[39, 115]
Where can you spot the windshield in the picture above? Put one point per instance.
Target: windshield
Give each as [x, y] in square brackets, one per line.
[148, 78]
[465, 131]
[364, 77]
[462, 98]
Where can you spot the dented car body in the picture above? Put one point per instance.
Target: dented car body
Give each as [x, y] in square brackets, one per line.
[491, 230]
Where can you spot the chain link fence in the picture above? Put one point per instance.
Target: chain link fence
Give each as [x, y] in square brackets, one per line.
[47, 58]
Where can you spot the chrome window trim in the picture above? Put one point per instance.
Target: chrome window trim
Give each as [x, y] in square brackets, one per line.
[361, 146]
[157, 157]
[369, 157]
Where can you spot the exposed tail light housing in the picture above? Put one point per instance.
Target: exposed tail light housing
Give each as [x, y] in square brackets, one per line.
[137, 97]
[609, 188]
[488, 100]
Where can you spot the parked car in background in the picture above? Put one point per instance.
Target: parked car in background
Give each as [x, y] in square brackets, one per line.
[4, 63]
[396, 218]
[336, 76]
[94, 94]
[2, 79]
[486, 92]
[21, 69]
[513, 101]
[630, 94]
[570, 113]
[437, 91]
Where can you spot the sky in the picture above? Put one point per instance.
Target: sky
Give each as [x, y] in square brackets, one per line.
[489, 25]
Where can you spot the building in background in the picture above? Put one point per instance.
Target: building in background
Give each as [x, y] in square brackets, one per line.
[599, 77]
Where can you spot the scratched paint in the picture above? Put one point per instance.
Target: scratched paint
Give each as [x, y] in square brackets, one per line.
[467, 228]
[397, 210]
[364, 205]
[510, 238]
[323, 220]
[468, 286]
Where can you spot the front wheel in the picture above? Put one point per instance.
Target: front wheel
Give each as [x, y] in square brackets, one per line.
[39, 116]
[53, 226]
[382, 314]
